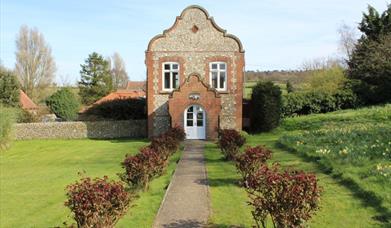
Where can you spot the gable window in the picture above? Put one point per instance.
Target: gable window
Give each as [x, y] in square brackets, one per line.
[170, 75]
[218, 75]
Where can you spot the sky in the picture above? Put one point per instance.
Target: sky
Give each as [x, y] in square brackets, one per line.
[276, 34]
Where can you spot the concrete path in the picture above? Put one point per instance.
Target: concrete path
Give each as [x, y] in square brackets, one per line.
[186, 203]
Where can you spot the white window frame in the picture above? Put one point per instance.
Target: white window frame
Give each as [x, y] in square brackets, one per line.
[171, 71]
[218, 70]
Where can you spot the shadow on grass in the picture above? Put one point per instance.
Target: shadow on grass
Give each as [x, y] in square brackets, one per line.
[217, 182]
[184, 223]
[217, 160]
[223, 226]
[367, 198]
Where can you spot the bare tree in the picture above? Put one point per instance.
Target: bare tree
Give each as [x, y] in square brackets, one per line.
[35, 66]
[347, 40]
[118, 71]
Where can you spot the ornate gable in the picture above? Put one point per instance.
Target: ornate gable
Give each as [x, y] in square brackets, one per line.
[194, 30]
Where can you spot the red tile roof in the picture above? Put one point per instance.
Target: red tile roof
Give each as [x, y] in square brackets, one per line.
[26, 102]
[122, 94]
[135, 85]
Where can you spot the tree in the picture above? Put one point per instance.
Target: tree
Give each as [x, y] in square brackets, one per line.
[373, 25]
[347, 40]
[325, 75]
[96, 80]
[9, 88]
[64, 104]
[118, 71]
[289, 87]
[370, 65]
[266, 104]
[35, 66]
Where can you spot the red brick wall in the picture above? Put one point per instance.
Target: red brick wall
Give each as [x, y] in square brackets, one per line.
[209, 101]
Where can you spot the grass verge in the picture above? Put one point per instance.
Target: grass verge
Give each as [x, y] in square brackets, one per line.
[34, 173]
[340, 207]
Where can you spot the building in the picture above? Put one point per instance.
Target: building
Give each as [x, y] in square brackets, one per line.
[194, 77]
[121, 94]
[26, 103]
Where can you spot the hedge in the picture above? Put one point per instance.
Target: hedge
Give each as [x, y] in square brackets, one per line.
[303, 103]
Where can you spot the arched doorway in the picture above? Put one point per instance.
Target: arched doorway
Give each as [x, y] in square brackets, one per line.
[194, 122]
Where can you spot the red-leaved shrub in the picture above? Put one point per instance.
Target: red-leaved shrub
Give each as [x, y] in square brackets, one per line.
[290, 197]
[251, 160]
[230, 142]
[164, 144]
[98, 202]
[140, 168]
[151, 160]
[156, 161]
[177, 133]
[168, 143]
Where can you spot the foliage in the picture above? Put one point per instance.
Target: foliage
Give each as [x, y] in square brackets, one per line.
[304, 103]
[290, 197]
[118, 71]
[96, 80]
[7, 119]
[251, 160]
[165, 144]
[349, 144]
[374, 25]
[177, 133]
[139, 169]
[230, 142]
[227, 197]
[370, 62]
[9, 88]
[119, 109]
[98, 202]
[35, 66]
[289, 87]
[24, 116]
[328, 80]
[152, 160]
[64, 104]
[266, 105]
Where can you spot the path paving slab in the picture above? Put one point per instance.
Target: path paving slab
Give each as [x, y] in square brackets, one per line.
[186, 203]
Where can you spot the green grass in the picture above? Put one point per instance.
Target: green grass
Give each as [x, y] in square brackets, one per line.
[354, 145]
[342, 203]
[34, 175]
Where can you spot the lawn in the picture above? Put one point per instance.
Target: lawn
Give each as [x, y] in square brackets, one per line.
[34, 175]
[342, 204]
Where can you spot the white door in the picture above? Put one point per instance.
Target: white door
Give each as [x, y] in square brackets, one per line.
[194, 121]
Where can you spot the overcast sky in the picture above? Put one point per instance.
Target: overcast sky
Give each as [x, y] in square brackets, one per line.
[276, 34]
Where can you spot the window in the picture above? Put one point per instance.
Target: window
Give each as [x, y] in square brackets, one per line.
[218, 75]
[170, 75]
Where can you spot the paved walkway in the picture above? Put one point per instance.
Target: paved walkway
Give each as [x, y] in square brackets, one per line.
[186, 203]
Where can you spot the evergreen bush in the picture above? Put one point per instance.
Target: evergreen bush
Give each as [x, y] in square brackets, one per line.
[266, 105]
[64, 104]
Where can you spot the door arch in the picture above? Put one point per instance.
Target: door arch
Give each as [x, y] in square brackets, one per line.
[195, 122]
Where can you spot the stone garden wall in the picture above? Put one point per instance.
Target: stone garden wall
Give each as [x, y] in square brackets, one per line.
[78, 130]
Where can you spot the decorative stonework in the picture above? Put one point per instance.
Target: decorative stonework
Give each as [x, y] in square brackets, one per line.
[194, 41]
[209, 37]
